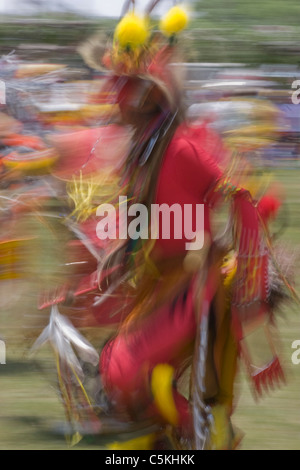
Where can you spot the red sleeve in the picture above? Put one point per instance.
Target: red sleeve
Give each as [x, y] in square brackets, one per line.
[189, 168]
[188, 171]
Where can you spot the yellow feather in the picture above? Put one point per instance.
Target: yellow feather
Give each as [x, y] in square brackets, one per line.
[132, 31]
[162, 391]
[175, 20]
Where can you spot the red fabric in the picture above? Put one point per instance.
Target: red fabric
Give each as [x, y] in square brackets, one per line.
[89, 151]
[189, 169]
[127, 361]
[188, 175]
[251, 287]
[252, 256]
[268, 207]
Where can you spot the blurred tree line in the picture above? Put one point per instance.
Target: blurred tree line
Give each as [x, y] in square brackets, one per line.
[246, 31]
[243, 31]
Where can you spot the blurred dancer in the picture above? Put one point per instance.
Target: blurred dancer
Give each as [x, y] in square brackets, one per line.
[177, 309]
[190, 307]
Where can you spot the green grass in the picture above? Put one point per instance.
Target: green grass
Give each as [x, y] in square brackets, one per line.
[274, 421]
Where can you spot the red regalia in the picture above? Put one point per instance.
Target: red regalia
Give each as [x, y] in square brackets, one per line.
[173, 309]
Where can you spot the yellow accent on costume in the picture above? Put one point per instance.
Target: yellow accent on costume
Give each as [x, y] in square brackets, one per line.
[33, 162]
[86, 193]
[226, 346]
[132, 31]
[161, 387]
[174, 21]
[221, 431]
[229, 266]
[138, 443]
